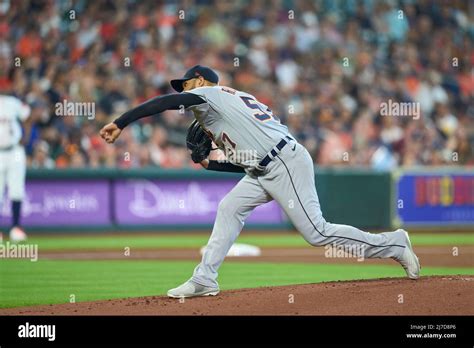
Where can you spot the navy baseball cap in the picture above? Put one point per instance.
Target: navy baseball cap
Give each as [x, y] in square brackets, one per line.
[196, 71]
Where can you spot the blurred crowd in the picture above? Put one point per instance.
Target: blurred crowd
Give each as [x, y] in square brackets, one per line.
[324, 67]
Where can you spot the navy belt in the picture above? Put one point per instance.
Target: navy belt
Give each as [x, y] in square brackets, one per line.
[271, 155]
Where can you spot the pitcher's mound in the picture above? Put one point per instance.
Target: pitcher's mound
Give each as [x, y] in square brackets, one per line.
[440, 295]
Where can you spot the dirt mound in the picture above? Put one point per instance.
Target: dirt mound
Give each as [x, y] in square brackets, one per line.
[441, 295]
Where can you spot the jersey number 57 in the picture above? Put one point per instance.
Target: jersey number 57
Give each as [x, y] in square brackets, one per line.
[261, 115]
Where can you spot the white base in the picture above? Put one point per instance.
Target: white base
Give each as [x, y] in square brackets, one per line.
[241, 250]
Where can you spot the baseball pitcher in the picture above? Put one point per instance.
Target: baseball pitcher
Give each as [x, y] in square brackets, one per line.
[277, 168]
[12, 159]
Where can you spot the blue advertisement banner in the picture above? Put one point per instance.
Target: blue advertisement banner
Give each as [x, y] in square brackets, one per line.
[436, 199]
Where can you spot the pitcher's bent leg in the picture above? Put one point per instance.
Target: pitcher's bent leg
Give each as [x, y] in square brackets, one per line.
[231, 214]
[291, 184]
[371, 245]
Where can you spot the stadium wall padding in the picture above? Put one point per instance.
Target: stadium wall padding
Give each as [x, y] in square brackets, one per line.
[171, 199]
[360, 198]
[160, 199]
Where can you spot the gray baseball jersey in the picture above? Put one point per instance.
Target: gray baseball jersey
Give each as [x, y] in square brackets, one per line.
[244, 128]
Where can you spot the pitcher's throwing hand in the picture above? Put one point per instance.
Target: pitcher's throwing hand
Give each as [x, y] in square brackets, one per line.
[110, 132]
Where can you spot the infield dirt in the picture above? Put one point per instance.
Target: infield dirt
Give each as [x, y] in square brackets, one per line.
[429, 255]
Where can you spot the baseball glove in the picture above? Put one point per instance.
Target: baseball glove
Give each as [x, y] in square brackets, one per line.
[198, 142]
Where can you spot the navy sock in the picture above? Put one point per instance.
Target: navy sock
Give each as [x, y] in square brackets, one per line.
[16, 208]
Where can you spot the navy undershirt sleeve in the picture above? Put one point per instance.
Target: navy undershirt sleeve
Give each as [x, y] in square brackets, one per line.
[157, 105]
[224, 167]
